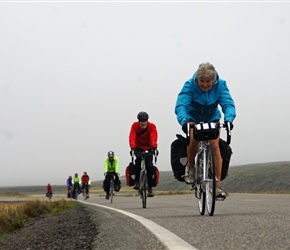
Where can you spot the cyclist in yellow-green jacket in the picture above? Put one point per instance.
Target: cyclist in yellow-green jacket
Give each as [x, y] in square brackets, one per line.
[76, 181]
[111, 166]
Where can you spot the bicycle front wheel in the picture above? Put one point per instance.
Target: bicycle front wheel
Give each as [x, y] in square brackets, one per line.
[199, 189]
[84, 192]
[210, 188]
[112, 189]
[143, 188]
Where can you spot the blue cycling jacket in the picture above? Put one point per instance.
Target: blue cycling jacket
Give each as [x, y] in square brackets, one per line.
[193, 104]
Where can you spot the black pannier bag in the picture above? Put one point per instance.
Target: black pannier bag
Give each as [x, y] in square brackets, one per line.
[226, 153]
[206, 131]
[48, 193]
[117, 185]
[178, 157]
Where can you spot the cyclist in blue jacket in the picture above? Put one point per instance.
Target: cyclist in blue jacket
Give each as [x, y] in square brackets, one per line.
[198, 102]
[69, 185]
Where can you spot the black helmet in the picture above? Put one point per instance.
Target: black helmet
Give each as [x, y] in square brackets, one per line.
[142, 116]
[111, 154]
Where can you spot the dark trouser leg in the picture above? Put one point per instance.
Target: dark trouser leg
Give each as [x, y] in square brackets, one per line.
[150, 169]
[137, 169]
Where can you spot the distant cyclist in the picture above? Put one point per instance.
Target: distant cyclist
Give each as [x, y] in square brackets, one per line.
[111, 166]
[76, 183]
[48, 190]
[86, 181]
[69, 185]
[143, 136]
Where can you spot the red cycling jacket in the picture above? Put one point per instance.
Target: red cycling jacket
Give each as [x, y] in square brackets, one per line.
[85, 178]
[48, 188]
[144, 140]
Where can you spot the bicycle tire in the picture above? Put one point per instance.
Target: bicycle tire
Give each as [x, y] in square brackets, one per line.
[142, 190]
[112, 189]
[199, 191]
[84, 192]
[210, 188]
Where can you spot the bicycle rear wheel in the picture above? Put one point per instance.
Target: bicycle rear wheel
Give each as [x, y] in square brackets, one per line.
[84, 192]
[111, 189]
[143, 188]
[70, 194]
[199, 190]
[210, 188]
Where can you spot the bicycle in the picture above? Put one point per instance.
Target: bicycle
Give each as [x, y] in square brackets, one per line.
[76, 191]
[112, 186]
[85, 190]
[205, 177]
[143, 179]
[70, 193]
[49, 195]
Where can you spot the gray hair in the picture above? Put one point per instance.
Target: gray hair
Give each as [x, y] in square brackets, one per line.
[206, 71]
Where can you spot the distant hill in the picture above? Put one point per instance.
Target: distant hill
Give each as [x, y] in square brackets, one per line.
[265, 177]
[273, 177]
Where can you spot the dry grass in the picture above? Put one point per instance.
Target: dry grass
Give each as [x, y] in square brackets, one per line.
[14, 216]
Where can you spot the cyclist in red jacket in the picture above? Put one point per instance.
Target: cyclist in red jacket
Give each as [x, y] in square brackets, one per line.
[48, 189]
[86, 181]
[143, 136]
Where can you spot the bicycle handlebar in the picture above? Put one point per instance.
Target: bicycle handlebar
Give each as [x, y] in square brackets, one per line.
[110, 174]
[143, 154]
[222, 125]
[229, 132]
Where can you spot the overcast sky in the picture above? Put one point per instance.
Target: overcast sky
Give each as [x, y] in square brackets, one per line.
[73, 77]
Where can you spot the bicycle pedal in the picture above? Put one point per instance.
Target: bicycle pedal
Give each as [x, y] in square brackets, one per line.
[220, 198]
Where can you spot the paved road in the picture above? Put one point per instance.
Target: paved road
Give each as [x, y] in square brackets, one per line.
[242, 221]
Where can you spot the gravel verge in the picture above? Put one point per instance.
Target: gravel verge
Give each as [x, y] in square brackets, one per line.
[73, 229]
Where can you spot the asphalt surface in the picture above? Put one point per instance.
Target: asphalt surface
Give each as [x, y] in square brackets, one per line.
[242, 221]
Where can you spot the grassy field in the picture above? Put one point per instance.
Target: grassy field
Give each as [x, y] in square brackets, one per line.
[271, 177]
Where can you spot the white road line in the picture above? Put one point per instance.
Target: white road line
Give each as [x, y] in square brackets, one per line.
[170, 240]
